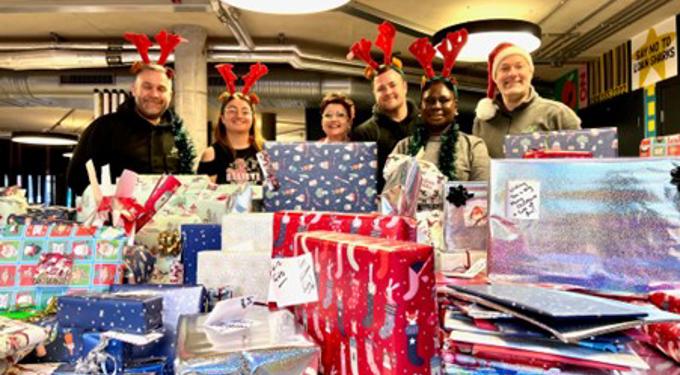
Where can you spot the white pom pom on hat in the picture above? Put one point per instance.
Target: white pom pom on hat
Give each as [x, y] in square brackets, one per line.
[486, 109]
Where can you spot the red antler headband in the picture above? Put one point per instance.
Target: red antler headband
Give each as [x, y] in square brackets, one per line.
[384, 41]
[166, 41]
[449, 48]
[257, 71]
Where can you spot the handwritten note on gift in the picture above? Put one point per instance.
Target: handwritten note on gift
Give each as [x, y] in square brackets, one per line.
[293, 281]
[524, 200]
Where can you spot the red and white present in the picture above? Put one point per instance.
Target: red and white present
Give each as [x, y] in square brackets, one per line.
[289, 223]
[376, 310]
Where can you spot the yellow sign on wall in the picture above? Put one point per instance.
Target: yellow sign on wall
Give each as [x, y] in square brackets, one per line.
[654, 54]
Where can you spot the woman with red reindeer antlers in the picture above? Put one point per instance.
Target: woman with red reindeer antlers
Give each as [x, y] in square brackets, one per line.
[232, 158]
[144, 134]
[393, 115]
[437, 139]
[512, 105]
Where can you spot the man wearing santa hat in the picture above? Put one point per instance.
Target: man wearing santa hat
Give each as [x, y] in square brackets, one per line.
[512, 105]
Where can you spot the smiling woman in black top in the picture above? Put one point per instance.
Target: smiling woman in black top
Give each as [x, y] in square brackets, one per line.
[232, 158]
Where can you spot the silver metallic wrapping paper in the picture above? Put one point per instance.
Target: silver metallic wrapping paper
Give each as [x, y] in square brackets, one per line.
[274, 344]
[602, 224]
[466, 227]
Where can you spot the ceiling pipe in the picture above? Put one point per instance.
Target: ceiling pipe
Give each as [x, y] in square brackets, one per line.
[230, 17]
[376, 16]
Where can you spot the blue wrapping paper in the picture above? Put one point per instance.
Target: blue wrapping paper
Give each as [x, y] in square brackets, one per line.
[196, 238]
[136, 314]
[177, 300]
[62, 345]
[313, 176]
[602, 224]
[602, 142]
[116, 349]
[150, 366]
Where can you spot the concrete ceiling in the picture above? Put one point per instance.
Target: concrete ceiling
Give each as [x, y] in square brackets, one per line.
[328, 34]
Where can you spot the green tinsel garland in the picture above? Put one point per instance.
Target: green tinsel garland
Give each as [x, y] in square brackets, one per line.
[447, 151]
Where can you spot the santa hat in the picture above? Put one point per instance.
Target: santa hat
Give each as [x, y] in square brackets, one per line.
[486, 109]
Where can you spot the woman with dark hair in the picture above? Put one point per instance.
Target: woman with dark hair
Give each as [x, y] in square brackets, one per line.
[337, 113]
[232, 158]
[458, 156]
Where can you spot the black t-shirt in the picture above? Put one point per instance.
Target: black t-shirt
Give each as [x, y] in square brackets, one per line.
[231, 168]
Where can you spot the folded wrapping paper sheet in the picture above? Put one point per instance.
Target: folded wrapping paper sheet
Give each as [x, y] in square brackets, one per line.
[603, 224]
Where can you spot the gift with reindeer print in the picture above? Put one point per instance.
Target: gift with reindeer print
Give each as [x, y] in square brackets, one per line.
[602, 142]
[41, 261]
[375, 312]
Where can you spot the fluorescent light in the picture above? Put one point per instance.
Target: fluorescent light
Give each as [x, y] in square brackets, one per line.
[45, 139]
[67, 154]
[286, 6]
[485, 35]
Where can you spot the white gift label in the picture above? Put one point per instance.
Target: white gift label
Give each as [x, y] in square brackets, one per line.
[524, 200]
[293, 281]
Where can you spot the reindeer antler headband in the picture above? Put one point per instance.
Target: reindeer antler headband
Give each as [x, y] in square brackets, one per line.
[385, 42]
[167, 42]
[449, 48]
[257, 71]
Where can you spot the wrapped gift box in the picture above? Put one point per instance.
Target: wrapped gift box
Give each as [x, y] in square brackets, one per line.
[602, 224]
[660, 146]
[247, 273]
[45, 215]
[95, 256]
[178, 300]
[376, 310]
[315, 176]
[466, 227]
[273, 344]
[132, 313]
[17, 339]
[289, 223]
[197, 238]
[602, 142]
[254, 231]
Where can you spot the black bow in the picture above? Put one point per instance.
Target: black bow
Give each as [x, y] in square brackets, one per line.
[458, 195]
[675, 177]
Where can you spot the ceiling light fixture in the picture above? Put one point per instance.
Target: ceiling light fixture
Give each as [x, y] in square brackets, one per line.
[286, 6]
[67, 155]
[485, 35]
[45, 138]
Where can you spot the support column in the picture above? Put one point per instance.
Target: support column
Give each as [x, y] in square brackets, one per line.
[191, 83]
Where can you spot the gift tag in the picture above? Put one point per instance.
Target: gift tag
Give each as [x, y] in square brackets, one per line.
[293, 281]
[228, 315]
[524, 200]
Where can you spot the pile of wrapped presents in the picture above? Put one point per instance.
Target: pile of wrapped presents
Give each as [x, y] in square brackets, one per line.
[553, 266]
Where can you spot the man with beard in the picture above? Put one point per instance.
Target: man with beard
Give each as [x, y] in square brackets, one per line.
[143, 135]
